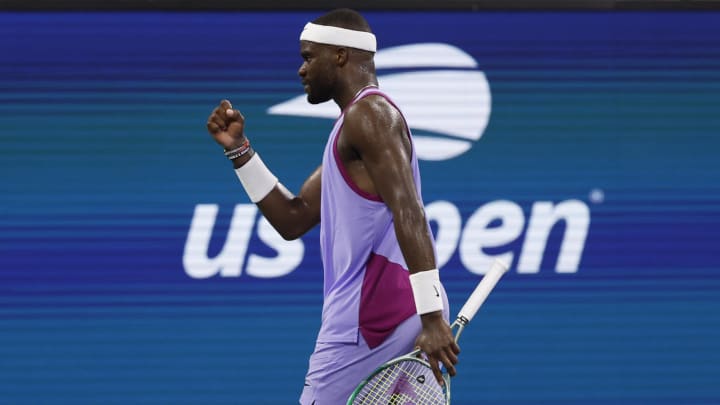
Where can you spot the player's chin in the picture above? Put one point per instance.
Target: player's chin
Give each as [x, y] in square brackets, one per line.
[313, 99]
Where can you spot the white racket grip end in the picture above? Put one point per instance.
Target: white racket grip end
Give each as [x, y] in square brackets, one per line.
[483, 289]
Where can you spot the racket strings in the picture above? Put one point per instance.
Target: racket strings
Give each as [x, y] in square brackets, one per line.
[402, 383]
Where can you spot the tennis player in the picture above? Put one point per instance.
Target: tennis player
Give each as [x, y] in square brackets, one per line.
[382, 291]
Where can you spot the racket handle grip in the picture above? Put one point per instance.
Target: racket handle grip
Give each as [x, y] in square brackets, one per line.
[482, 291]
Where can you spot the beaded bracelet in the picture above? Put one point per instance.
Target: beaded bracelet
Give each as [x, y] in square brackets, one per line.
[239, 151]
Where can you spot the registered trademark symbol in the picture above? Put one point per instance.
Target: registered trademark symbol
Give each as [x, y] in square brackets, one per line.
[597, 196]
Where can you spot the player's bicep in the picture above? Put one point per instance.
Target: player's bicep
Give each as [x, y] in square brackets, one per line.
[391, 175]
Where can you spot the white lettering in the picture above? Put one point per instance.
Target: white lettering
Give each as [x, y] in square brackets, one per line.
[449, 225]
[543, 218]
[485, 236]
[478, 235]
[290, 254]
[230, 260]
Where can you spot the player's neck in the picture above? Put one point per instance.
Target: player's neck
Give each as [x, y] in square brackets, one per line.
[353, 91]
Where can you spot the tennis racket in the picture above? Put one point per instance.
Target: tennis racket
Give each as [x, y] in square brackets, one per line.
[409, 379]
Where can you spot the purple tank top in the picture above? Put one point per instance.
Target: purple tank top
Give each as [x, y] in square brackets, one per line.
[367, 286]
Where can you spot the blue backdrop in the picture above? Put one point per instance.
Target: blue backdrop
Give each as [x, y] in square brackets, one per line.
[581, 146]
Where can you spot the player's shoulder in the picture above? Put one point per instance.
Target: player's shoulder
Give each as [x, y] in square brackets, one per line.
[371, 120]
[373, 108]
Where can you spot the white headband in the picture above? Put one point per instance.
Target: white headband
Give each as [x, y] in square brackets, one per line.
[325, 34]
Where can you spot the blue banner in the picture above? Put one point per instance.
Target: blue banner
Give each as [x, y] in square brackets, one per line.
[580, 147]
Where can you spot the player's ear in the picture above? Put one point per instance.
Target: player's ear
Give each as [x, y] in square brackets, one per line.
[341, 56]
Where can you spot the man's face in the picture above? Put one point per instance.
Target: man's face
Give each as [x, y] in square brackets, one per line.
[317, 71]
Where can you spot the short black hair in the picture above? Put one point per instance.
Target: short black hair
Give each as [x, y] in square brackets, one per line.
[344, 18]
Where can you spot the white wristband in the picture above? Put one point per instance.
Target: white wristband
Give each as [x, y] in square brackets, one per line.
[426, 290]
[256, 178]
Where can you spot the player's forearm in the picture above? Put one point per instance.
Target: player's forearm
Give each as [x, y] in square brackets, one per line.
[414, 238]
[290, 215]
[417, 247]
[416, 244]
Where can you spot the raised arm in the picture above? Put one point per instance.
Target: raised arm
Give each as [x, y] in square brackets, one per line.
[375, 131]
[291, 215]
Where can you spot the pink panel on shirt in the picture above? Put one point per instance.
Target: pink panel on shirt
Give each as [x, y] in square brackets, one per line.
[385, 301]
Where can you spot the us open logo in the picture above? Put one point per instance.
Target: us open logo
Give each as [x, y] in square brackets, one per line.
[442, 93]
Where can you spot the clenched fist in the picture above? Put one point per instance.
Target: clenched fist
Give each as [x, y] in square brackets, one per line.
[226, 126]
